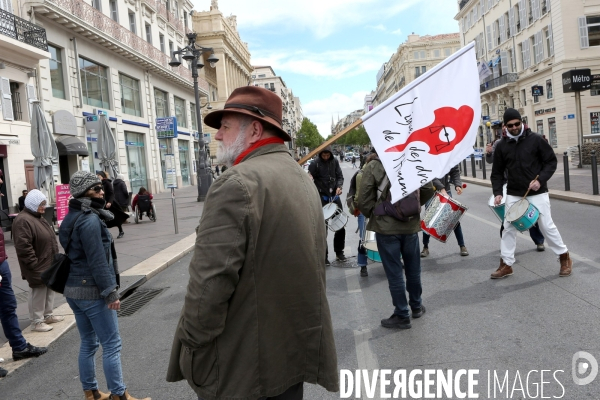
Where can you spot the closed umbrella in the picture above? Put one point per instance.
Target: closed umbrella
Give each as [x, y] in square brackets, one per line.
[45, 153]
[107, 148]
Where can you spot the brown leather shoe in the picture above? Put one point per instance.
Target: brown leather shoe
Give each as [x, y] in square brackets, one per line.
[126, 396]
[95, 395]
[503, 271]
[566, 265]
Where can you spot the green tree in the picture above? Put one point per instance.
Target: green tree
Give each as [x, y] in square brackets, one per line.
[308, 135]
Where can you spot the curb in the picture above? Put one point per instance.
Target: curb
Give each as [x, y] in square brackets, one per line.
[141, 273]
[554, 194]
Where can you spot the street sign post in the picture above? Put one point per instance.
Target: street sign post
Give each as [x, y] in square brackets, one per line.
[577, 80]
[171, 181]
[166, 127]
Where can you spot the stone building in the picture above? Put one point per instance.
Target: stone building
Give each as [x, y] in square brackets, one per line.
[530, 44]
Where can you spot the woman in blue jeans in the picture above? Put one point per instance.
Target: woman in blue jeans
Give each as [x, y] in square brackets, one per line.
[92, 286]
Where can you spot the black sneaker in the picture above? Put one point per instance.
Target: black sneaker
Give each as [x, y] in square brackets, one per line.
[341, 257]
[3, 372]
[327, 263]
[363, 271]
[121, 234]
[418, 313]
[29, 352]
[396, 321]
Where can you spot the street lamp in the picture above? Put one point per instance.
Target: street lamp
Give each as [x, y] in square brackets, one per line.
[192, 53]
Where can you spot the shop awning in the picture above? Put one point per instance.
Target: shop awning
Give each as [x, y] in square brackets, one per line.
[71, 146]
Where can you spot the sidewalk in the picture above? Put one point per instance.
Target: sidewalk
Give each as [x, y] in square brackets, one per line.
[581, 182]
[146, 249]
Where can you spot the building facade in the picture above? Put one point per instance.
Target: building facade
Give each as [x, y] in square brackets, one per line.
[529, 44]
[234, 67]
[346, 121]
[23, 46]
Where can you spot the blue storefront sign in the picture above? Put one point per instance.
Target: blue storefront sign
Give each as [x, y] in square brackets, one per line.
[166, 127]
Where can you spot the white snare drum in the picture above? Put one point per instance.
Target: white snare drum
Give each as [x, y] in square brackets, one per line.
[335, 217]
[441, 217]
[370, 244]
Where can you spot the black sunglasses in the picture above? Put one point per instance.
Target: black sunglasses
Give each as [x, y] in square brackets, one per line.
[97, 189]
[516, 125]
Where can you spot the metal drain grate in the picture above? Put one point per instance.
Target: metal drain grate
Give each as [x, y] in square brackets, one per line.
[137, 300]
[22, 297]
[345, 264]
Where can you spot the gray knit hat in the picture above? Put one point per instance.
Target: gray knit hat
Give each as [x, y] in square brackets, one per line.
[81, 181]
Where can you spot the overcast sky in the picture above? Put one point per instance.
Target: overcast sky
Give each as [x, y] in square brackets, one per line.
[329, 51]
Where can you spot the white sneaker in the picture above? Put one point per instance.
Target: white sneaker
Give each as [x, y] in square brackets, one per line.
[41, 327]
[52, 319]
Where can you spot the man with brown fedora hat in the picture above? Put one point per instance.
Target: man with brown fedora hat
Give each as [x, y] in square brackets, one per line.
[256, 323]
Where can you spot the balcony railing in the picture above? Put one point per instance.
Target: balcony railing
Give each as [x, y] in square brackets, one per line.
[499, 81]
[168, 15]
[22, 30]
[117, 32]
[462, 4]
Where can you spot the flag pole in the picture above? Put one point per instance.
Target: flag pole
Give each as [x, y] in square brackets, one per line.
[329, 141]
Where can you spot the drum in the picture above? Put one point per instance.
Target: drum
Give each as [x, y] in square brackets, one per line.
[522, 215]
[498, 210]
[441, 217]
[370, 244]
[335, 217]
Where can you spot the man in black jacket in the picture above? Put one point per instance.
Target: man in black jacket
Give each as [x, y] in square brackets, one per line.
[328, 178]
[524, 155]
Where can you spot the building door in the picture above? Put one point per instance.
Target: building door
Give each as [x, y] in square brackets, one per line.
[29, 177]
[3, 186]
[136, 160]
[552, 132]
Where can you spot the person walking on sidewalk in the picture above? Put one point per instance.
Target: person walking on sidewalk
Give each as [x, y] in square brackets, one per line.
[119, 217]
[534, 231]
[8, 314]
[121, 193]
[353, 161]
[443, 185]
[35, 244]
[256, 323]
[395, 240]
[92, 286]
[523, 155]
[329, 179]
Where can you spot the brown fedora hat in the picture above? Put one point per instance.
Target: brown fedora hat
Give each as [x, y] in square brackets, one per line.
[254, 101]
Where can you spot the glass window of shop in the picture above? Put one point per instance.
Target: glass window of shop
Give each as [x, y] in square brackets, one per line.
[161, 100]
[184, 163]
[180, 112]
[594, 122]
[130, 95]
[92, 144]
[136, 160]
[56, 72]
[94, 83]
[164, 145]
[193, 114]
[552, 139]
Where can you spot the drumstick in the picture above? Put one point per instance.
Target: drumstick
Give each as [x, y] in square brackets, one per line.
[527, 192]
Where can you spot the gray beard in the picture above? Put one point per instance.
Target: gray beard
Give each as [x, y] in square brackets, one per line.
[227, 155]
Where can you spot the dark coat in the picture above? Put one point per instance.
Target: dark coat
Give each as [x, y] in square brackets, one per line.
[121, 193]
[115, 208]
[35, 244]
[256, 318]
[109, 191]
[327, 175]
[453, 176]
[523, 159]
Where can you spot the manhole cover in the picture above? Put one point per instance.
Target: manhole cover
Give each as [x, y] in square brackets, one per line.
[22, 297]
[137, 300]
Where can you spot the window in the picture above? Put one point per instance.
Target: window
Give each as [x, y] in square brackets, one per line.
[56, 72]
[114, 13]
[589, 31]
[524, 97]
[161, 40]
[136, 160]
[185, 19]
[423, 69]
[214, 95]
[540, 126]
[170, 48]
[132, 21]
[437, 53]
[422, 54]
[549, 93]
[180, 112]
[97, 4]
[416, 55]
[536, 99]
[262, 76]
[595, 89]
[447, 52]
[417, 72]
[594, 122]
[266, 85]
[130, 95]
[161, 100]
[94, 83]
[552, 132]
[193, 115]
[544, 7]
[549, 41]
[148, 33]
[16, 101]
[530, 9]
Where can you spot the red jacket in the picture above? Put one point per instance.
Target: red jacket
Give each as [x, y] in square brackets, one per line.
[2, 249]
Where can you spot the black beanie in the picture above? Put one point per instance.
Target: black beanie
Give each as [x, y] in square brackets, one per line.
[511, 114]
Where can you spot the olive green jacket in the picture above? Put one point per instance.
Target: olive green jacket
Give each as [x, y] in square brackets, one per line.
[256, 319]
[372, 176]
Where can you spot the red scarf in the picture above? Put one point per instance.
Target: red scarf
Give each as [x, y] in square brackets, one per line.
[260, 143]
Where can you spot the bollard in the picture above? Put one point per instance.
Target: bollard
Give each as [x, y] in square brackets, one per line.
[473, 166]
[566, 165]
[594, 173]
[464, 163]
[483, 167]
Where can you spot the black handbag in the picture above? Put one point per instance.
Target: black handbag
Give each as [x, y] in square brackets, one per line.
[55, 277]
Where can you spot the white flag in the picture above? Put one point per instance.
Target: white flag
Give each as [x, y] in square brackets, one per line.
[484, 70]
[430, 126]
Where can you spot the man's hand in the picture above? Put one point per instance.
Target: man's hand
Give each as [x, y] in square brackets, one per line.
[108, 205]
[115, 305]
[338, 191]
[444, 193]
[535, 185]
[458, 189]
[489, 148]
[497, 200]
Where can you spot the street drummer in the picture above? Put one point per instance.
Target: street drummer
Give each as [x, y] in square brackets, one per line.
[443, 185]
[525, 155]
[327, 176]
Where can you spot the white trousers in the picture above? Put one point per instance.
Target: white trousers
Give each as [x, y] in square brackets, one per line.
[41, 303]
[554, 241]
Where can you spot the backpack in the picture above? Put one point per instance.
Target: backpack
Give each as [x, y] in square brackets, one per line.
[403, 210]
[350, 196]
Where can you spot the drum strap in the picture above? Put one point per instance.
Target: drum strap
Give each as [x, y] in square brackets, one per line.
[382, 186]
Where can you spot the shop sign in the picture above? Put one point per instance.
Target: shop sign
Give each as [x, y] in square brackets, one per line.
[166, 127]
[537, 90]
[546, 111]
[62, 202]
[595, 122]
[170, 171]
[64, 123]
[576, 80]
[92, 124]
[206, 137]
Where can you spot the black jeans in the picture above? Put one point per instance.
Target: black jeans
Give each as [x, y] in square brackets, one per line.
[295, 392]
[339, 238]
